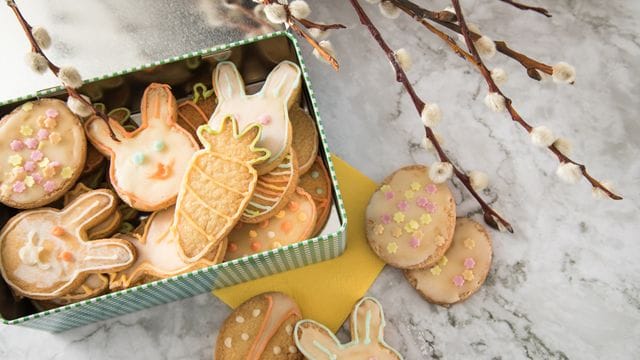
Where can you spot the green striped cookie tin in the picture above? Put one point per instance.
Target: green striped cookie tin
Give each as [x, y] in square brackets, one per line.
[330, 244]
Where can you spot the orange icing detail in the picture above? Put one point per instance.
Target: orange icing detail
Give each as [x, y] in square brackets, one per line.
[57, 231]
[277, 313]
[232, 247]
[162, 171]
[293, 206]
[286, 227]
[255, 246]
[264, 224]
[66, 256]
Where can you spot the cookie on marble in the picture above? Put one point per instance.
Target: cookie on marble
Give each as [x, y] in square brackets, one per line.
[42, 153]
[305, 137]
[462, 269]
[410, 220]
[260, 328]
[292, 224]
[367, 324]
[317, 183]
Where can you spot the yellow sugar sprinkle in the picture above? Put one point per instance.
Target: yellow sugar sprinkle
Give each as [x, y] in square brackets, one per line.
[44, 163]
[66, 172]
[409, 194]
[15, 160]
[425, 219]
[443, 261]
[469, 243]
[27, 106]
[281, 214]
[385, 188]
[415, 186]
[26, 130]
[29, 181]
[392, 248]
[398, 217]
[467, 275]
[253, 233]
[436, 270]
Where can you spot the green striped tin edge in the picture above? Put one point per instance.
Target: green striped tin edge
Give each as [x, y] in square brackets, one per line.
[226, 274]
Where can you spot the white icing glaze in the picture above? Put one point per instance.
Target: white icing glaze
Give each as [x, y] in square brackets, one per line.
[317, 342]
[66, 255]
[145, 178]
[256, 312]
[239, 319]
[272, 100]
[244, 336]
[228, 342]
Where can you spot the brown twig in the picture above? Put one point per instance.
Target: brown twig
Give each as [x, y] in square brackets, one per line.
[324, 27]
[539, 10]
[54, 68]
[423, 16]
[491, 216]
[515, 116]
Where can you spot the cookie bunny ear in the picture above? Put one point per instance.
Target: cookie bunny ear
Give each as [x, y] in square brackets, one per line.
[88, 210]
[107, 254]
[98, 132]
[315, 341]
[227, 82]
[282, 81]
[158, 103]
[367, 321]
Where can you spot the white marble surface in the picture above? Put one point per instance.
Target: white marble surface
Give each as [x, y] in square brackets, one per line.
[565, 285]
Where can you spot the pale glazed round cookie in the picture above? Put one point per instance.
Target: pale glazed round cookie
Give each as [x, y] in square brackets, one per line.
[462, 269]
[410, 220]
[260, 328]
[42, 153]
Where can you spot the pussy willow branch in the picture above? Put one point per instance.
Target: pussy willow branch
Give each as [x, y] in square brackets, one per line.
[299, 26]
[491, 216]
[423, 16]
[515, 116]
[539, 10]
[54, 68]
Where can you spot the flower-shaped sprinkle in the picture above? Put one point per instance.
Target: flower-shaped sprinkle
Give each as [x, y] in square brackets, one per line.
[402, 205]
[425, 219]
[415, 186]
[392, 247]
[443, 261]
[436, 270]
[414, 242]
[378, 229]
[468, 275]
[389, 195]
[469, 243]
[385, 218]
[431, 188]
[469, 263]
[458, 281]
[398, 217]
[396, 232]
[409, 194]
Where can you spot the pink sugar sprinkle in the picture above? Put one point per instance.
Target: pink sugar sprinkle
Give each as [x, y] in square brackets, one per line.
[37, 178]
[43, 134]
[430, 207]
[389, 195]
[458, 280]
[469, 263]
[19, 186]
[49, 186]
[16, 145]
[431, 189]
[31, 143]
[402, 205]
[51, 113]
[264, 119]
[37, 155]
[385, 218]
[55, 164]
[30, 166]
[414, 242]
[422, 202]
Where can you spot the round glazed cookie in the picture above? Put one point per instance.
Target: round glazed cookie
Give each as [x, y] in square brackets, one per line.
[42, 153]
[410, 220]
[260, 328]
[462, 269]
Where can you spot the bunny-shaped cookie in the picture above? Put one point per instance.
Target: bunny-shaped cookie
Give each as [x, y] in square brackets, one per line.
[317, 342]
[44, 253]
[269, 107]
[147, 164]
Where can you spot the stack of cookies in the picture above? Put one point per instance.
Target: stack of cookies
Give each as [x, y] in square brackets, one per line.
[190, 184]
[411, 224]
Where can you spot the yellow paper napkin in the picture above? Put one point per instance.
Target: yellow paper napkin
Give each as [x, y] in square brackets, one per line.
[327, 291]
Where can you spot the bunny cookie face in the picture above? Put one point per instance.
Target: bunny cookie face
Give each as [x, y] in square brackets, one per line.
[317, 342]
[42, 153]
[147, 164]
[44, 253]
[269, 107]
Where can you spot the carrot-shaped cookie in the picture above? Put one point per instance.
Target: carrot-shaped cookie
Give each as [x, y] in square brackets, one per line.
[217, 187]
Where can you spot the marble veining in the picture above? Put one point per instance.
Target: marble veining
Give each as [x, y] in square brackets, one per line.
[566, 285]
